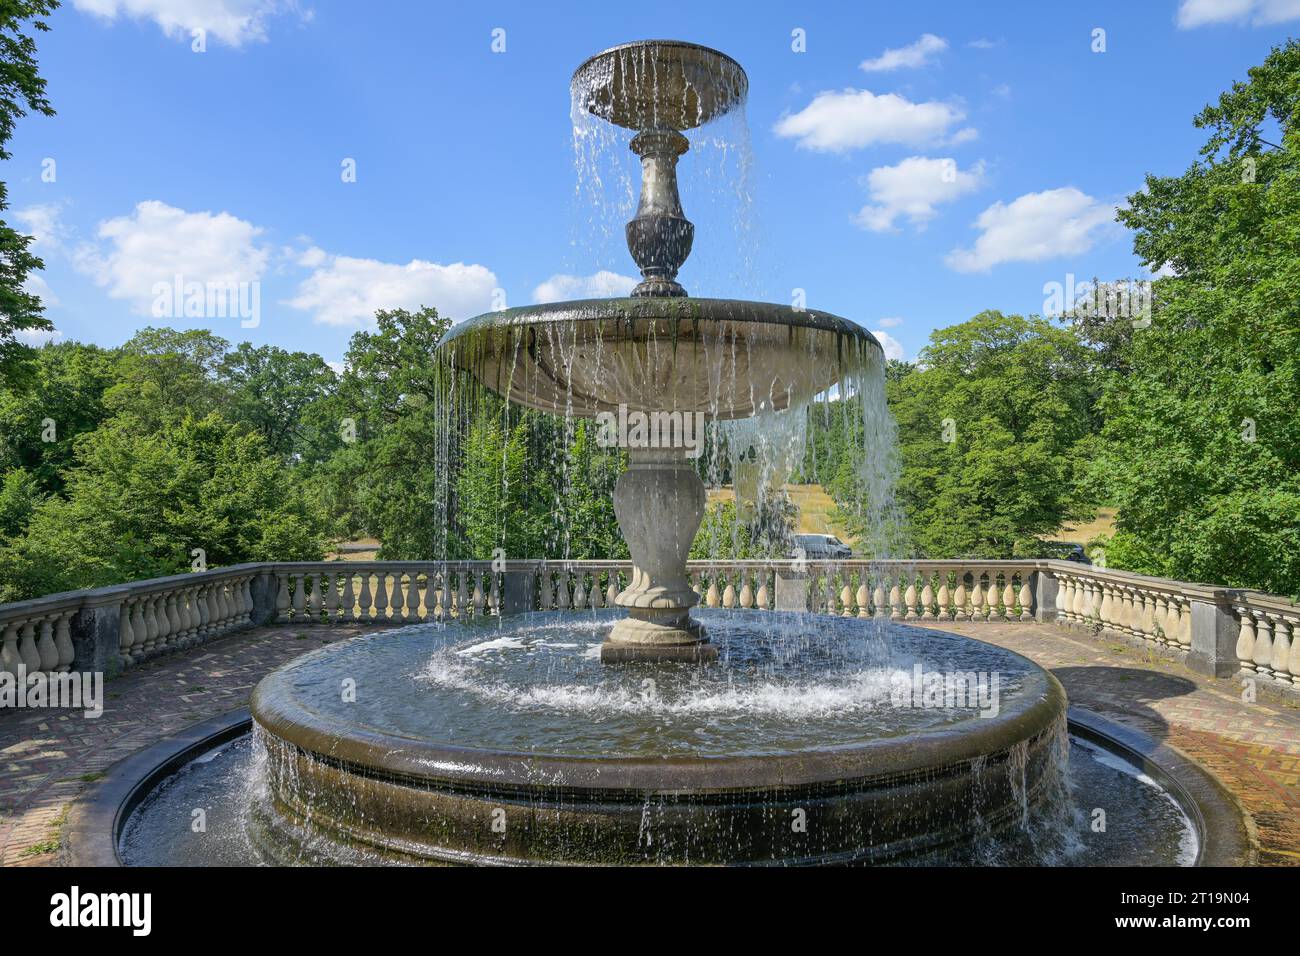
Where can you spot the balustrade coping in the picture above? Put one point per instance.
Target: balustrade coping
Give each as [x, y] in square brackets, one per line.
[1235, 598]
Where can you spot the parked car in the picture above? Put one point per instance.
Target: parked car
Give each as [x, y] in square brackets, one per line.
[820, 547]
[1066, 551]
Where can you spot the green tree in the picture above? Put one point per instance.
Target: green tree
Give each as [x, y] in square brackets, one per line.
[62, 397]
[138, 504]
[273, 391]
[22, 88]
[991, 426]
[1202, 438]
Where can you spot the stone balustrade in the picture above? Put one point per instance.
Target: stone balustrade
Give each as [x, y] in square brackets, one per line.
[1220, 631]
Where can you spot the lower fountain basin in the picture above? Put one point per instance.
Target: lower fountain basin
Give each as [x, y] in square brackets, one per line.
[510, 743]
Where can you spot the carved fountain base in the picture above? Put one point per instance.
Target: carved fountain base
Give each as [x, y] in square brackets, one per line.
[659, 502]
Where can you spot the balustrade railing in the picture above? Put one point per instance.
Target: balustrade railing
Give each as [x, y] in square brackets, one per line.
[1215, 630]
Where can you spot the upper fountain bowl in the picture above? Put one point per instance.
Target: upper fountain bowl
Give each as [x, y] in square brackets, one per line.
[659, 84]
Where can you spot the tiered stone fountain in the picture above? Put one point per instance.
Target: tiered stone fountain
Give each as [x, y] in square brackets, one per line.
[767, 738]
[659, 351]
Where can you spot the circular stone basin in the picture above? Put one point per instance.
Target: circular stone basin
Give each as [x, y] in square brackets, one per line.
[725, 358]
[813, 740]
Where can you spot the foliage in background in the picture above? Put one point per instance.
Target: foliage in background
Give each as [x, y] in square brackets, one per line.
[1202, 437]
[22, 89]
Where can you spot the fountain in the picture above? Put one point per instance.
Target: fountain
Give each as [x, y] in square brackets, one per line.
[659, 353]
[652, 733]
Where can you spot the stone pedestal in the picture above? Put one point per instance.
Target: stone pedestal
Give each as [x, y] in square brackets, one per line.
[659, 502]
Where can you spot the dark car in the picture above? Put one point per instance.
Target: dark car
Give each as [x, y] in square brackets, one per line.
[820, 547]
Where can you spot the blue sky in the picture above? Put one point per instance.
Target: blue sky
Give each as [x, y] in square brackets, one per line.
[915, 164]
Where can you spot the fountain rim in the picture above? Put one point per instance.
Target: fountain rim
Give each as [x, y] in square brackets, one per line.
[1040, 704]
[643, 44]
[674, 309]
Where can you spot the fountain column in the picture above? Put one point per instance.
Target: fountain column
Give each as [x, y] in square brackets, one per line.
[659, 502]
[659, 236]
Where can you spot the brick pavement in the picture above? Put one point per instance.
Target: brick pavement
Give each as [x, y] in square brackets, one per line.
[48, 757]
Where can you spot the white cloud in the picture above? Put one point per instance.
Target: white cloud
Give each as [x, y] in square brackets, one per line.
[601, 285]
[37, 286]
[38, 337]
[348, 291]
[850, 119]
[906, 57]
[233, 22]
[43, 222]
[890, 322]
[913, 188]
[159, 242]
[983, 43]
[893, 348]
[1036, 226]
[1198, 13]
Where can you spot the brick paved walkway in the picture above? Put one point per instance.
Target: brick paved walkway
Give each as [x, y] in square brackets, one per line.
[48, 757]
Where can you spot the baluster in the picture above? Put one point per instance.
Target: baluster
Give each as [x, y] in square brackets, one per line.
[299, 598]
[764, 596]
[944, 598]
[46, 652]
[927, 599]
[314, 602]
[1263, 646]
[846, 595]
[712, 598]
[960, 599]
[476, 599]
[863, 597]
[1293, 663]
[1008, 596]
[746, 589]
[9, 656]
[347, 600]
[413, 596]
[909, 601]
[282, 603]
[157, 625]
[562, 590]
[170, 621]
[1281, 658]
[435, 588]
[729, 594]
[27, 650]
[979, 612]
[365, 599]
[1025, 598]
[195, 608]
[63, 642]
[332, 597]
[895, 602]
[1246, 641]
[125, 636]
[878, 599]
[611, 590]
[593, 594]
[381, 595]
[140, 629]
[397, 598]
